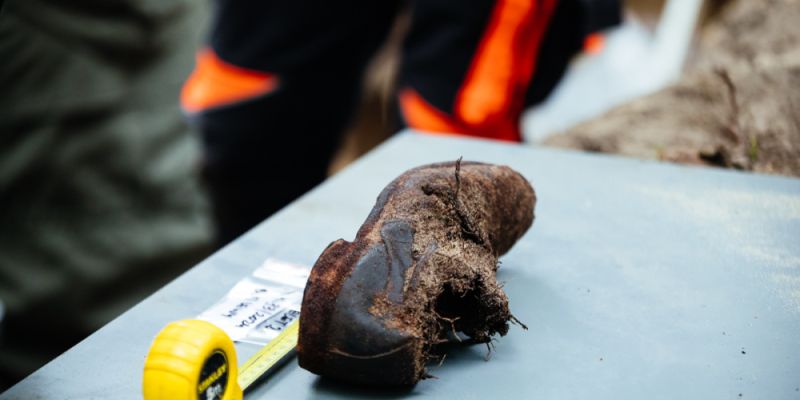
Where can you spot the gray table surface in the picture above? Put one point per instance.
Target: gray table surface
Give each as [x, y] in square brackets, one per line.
[637, 279]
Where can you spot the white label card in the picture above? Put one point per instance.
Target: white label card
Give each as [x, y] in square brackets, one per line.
[258, 307]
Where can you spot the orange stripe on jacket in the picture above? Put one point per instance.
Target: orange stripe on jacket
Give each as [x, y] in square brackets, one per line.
[215, 83]
[491, 99]
[421, 115]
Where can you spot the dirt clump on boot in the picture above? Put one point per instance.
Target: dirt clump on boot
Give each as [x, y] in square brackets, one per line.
[421, 272]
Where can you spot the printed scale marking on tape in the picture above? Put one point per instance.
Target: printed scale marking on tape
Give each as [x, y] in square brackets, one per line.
[196, 359]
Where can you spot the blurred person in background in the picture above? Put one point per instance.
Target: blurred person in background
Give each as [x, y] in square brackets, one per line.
[99, 196]
[277, 82]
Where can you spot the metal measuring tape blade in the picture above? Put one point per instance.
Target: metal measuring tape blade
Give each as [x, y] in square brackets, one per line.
[194, 359]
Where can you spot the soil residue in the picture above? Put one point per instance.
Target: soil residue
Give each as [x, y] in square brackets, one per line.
[737, 105]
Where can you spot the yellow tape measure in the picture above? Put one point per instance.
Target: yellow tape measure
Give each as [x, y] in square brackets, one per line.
[194, 359]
